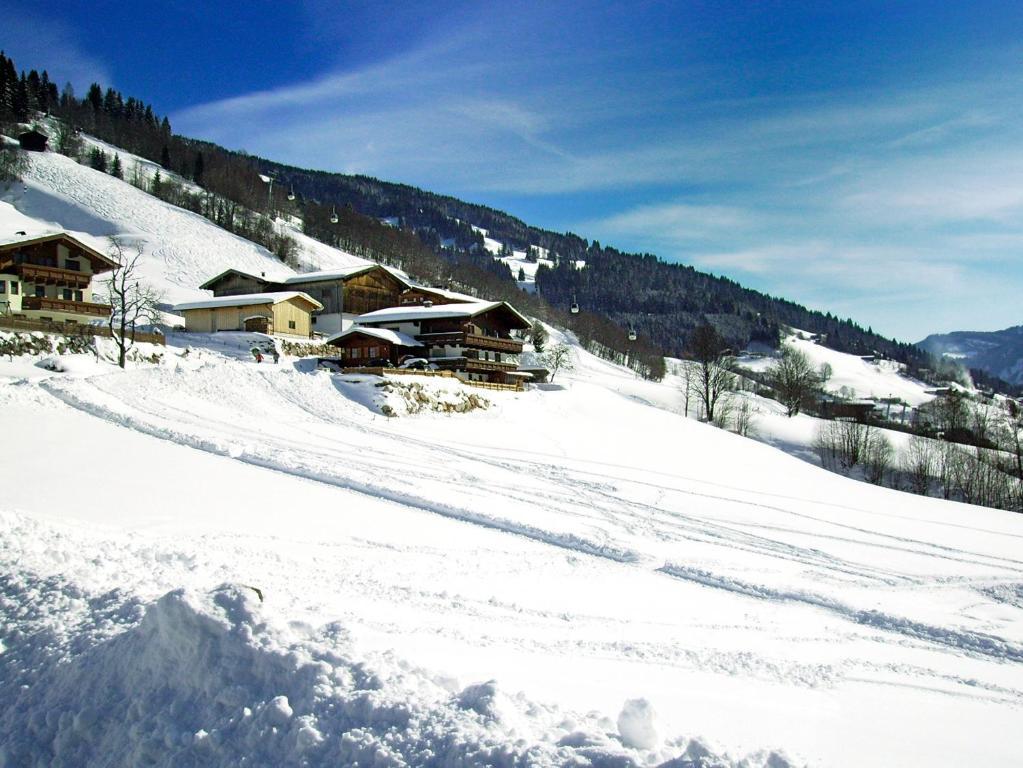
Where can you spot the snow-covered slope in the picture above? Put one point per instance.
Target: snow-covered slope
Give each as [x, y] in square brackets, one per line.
[852, 376]
[575, 546]
[182, 249]
[205, 561]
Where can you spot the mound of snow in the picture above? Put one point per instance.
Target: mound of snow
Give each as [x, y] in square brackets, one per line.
[210, 679]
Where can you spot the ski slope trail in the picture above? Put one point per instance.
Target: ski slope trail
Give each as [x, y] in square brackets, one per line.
[584, 560]
[619, 512]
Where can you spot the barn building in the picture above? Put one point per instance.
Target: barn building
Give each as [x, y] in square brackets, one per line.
[285, 313]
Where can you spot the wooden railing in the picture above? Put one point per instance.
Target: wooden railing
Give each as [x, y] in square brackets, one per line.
[64, 329]
[471, 340]
[495, 385]
[491, 342]
[41, 304]
[35, 273]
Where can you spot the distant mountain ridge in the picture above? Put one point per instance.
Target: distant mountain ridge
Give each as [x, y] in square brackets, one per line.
[999, 353]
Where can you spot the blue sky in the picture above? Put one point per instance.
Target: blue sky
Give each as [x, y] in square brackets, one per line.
[864, 158]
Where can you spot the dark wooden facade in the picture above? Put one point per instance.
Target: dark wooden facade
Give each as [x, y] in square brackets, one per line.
[366, 291]
[33, 141]
[236, 283]
[475, 346]
[360, 292]
[361, 350]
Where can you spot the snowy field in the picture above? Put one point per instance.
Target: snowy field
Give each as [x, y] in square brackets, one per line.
[208, 561]
[493, 586]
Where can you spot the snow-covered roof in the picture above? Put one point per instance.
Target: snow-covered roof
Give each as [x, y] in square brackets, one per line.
[420, 312]
[341, 274]
[385, 334]
[247, 299]
[453, 295]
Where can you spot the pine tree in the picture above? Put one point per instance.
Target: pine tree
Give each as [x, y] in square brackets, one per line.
[197, 169]
[95, 97]
[165, 159]
[115, 167]
[21, 100]
[98, 159]
[157, 186]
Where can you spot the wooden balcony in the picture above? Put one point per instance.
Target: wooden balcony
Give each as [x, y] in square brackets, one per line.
[66, 278]
[491, 342]
[38, 304]
[472, 341]
[471, 364]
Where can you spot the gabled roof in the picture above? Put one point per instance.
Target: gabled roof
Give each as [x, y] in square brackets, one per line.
[399, 314]
[248, 299]
[21, 241]
[342, 273]
[215, 279]
[384, 334]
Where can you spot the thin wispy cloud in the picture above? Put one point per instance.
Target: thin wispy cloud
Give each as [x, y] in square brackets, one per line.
[32, 41]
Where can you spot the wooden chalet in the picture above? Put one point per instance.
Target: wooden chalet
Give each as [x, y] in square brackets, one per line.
[364, 346]
[473, 340]
[284, 313]
[343, 294]
[33, 141]
[48, 278]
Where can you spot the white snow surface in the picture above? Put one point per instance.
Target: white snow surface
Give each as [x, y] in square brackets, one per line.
[521, 585]
[879, 379]
[209, 561]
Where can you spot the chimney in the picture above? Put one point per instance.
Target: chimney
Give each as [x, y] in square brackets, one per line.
[262, 274]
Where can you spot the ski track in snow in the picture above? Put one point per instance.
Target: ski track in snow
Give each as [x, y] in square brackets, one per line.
[326, 452]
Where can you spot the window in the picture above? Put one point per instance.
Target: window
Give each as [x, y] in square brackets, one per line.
[291, 323]
[14, 289]
[66, 294]
[40, 291]
[73, 265]
[3, 286]
[373, 351]
[79, 296]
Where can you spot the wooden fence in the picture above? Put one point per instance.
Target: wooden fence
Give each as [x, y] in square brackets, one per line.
[70, 329]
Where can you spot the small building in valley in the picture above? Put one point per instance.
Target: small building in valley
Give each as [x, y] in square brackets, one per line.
[285, 313]
[473, 340]
[48, 278]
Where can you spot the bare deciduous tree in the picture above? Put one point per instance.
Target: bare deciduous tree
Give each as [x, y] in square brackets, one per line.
[133, 303]
[919, 464]
[794, 379]
[714, 380]
[558, 357]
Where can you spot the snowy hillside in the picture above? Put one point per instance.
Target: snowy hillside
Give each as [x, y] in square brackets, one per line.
[182, 249]
[1000, 353]
[852, 376]
[209, 561]
[567, 577]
